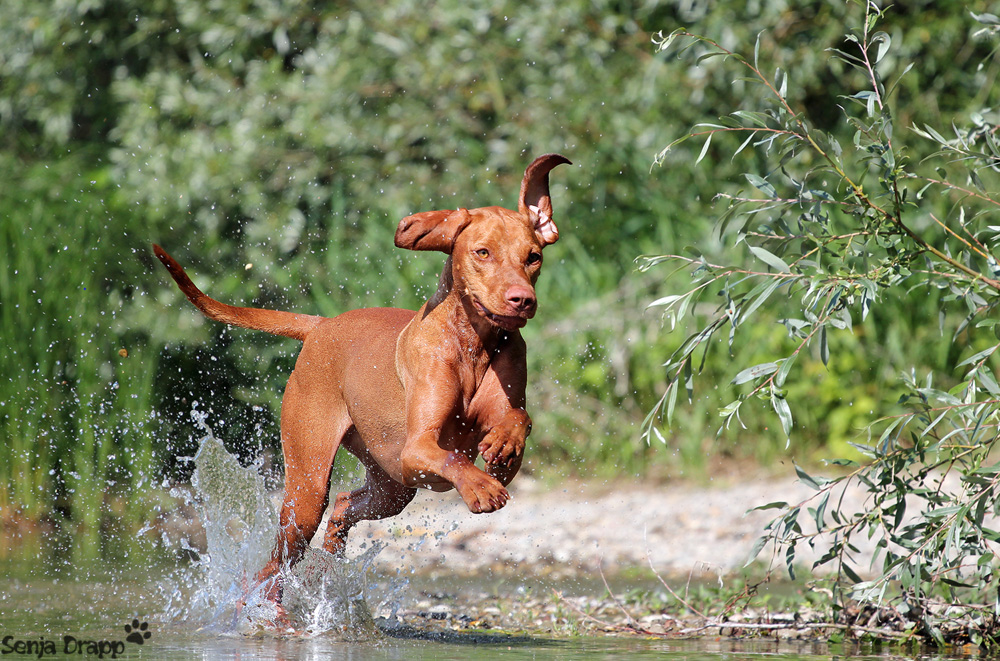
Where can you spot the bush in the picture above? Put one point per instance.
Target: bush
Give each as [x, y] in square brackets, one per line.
[828, 232]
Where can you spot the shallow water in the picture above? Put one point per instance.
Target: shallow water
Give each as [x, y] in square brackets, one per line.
[99, 610]
[111, 603]
[149, 598]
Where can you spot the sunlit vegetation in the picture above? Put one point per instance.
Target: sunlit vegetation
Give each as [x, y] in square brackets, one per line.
[272, 147]
[827, 231]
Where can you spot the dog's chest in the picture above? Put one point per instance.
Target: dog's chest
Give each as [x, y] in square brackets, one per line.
[477, 367]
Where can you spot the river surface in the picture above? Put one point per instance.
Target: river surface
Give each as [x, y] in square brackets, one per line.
[152, 606]
[76, 617]
[107, 617]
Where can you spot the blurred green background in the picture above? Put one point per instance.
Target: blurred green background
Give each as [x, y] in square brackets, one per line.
[272, 146]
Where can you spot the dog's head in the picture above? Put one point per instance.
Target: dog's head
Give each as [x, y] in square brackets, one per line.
[496, 253]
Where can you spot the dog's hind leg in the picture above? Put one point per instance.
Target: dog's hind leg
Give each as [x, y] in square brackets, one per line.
[379, 498]
[311, 433]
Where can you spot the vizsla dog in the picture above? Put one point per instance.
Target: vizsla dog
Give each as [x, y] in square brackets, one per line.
[414, 396]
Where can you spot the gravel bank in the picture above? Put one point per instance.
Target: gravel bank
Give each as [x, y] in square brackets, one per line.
[681, 530]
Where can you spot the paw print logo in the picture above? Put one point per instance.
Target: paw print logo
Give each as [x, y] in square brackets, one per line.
[138, 633]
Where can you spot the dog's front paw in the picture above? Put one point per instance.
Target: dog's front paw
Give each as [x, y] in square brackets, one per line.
[503, 446]
[481, 492]
[501, 451]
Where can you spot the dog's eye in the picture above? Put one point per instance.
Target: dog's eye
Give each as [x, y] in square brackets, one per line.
[483, 253]
[533, 258]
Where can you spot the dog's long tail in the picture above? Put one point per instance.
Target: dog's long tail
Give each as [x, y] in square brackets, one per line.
[289, 324]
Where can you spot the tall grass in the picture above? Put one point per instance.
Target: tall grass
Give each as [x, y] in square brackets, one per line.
[75, 399]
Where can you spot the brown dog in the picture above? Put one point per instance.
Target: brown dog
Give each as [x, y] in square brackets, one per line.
[414, 396]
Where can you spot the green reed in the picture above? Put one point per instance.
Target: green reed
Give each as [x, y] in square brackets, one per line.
[75, 401]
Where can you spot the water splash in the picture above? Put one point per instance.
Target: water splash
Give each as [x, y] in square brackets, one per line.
[328, 594]
[323, 594]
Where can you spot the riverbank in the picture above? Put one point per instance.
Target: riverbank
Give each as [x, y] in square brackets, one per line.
[678, 530]
[637, 558]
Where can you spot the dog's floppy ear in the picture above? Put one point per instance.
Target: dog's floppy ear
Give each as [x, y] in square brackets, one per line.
[432, 230]
[535, 201]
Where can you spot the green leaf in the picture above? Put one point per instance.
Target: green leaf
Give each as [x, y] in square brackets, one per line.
[671, 401]
[761, 184]
[976, 181]
[979, 356]
[704, 148]
[784, 414]
[871, 20]
[689, 379]
[659, 435]
[884, 43]
[730, 408]
[758, 296]
[770, 259]
[818, 513]
[754, 372]
[892, 87]
[776, 505]
[986, 380]
[758, 118]
[782, 374]
[985, 19]
[758, 546]
[852, 575]
[824, 347]
[807, 479]
[708, 56]
[745, 143]
[666, 150]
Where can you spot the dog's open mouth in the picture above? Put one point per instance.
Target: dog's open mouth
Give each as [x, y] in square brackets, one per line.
[506, 322]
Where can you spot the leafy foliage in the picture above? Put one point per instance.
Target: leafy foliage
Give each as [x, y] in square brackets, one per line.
[290, 137]
[826, 233]
[272, 147]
